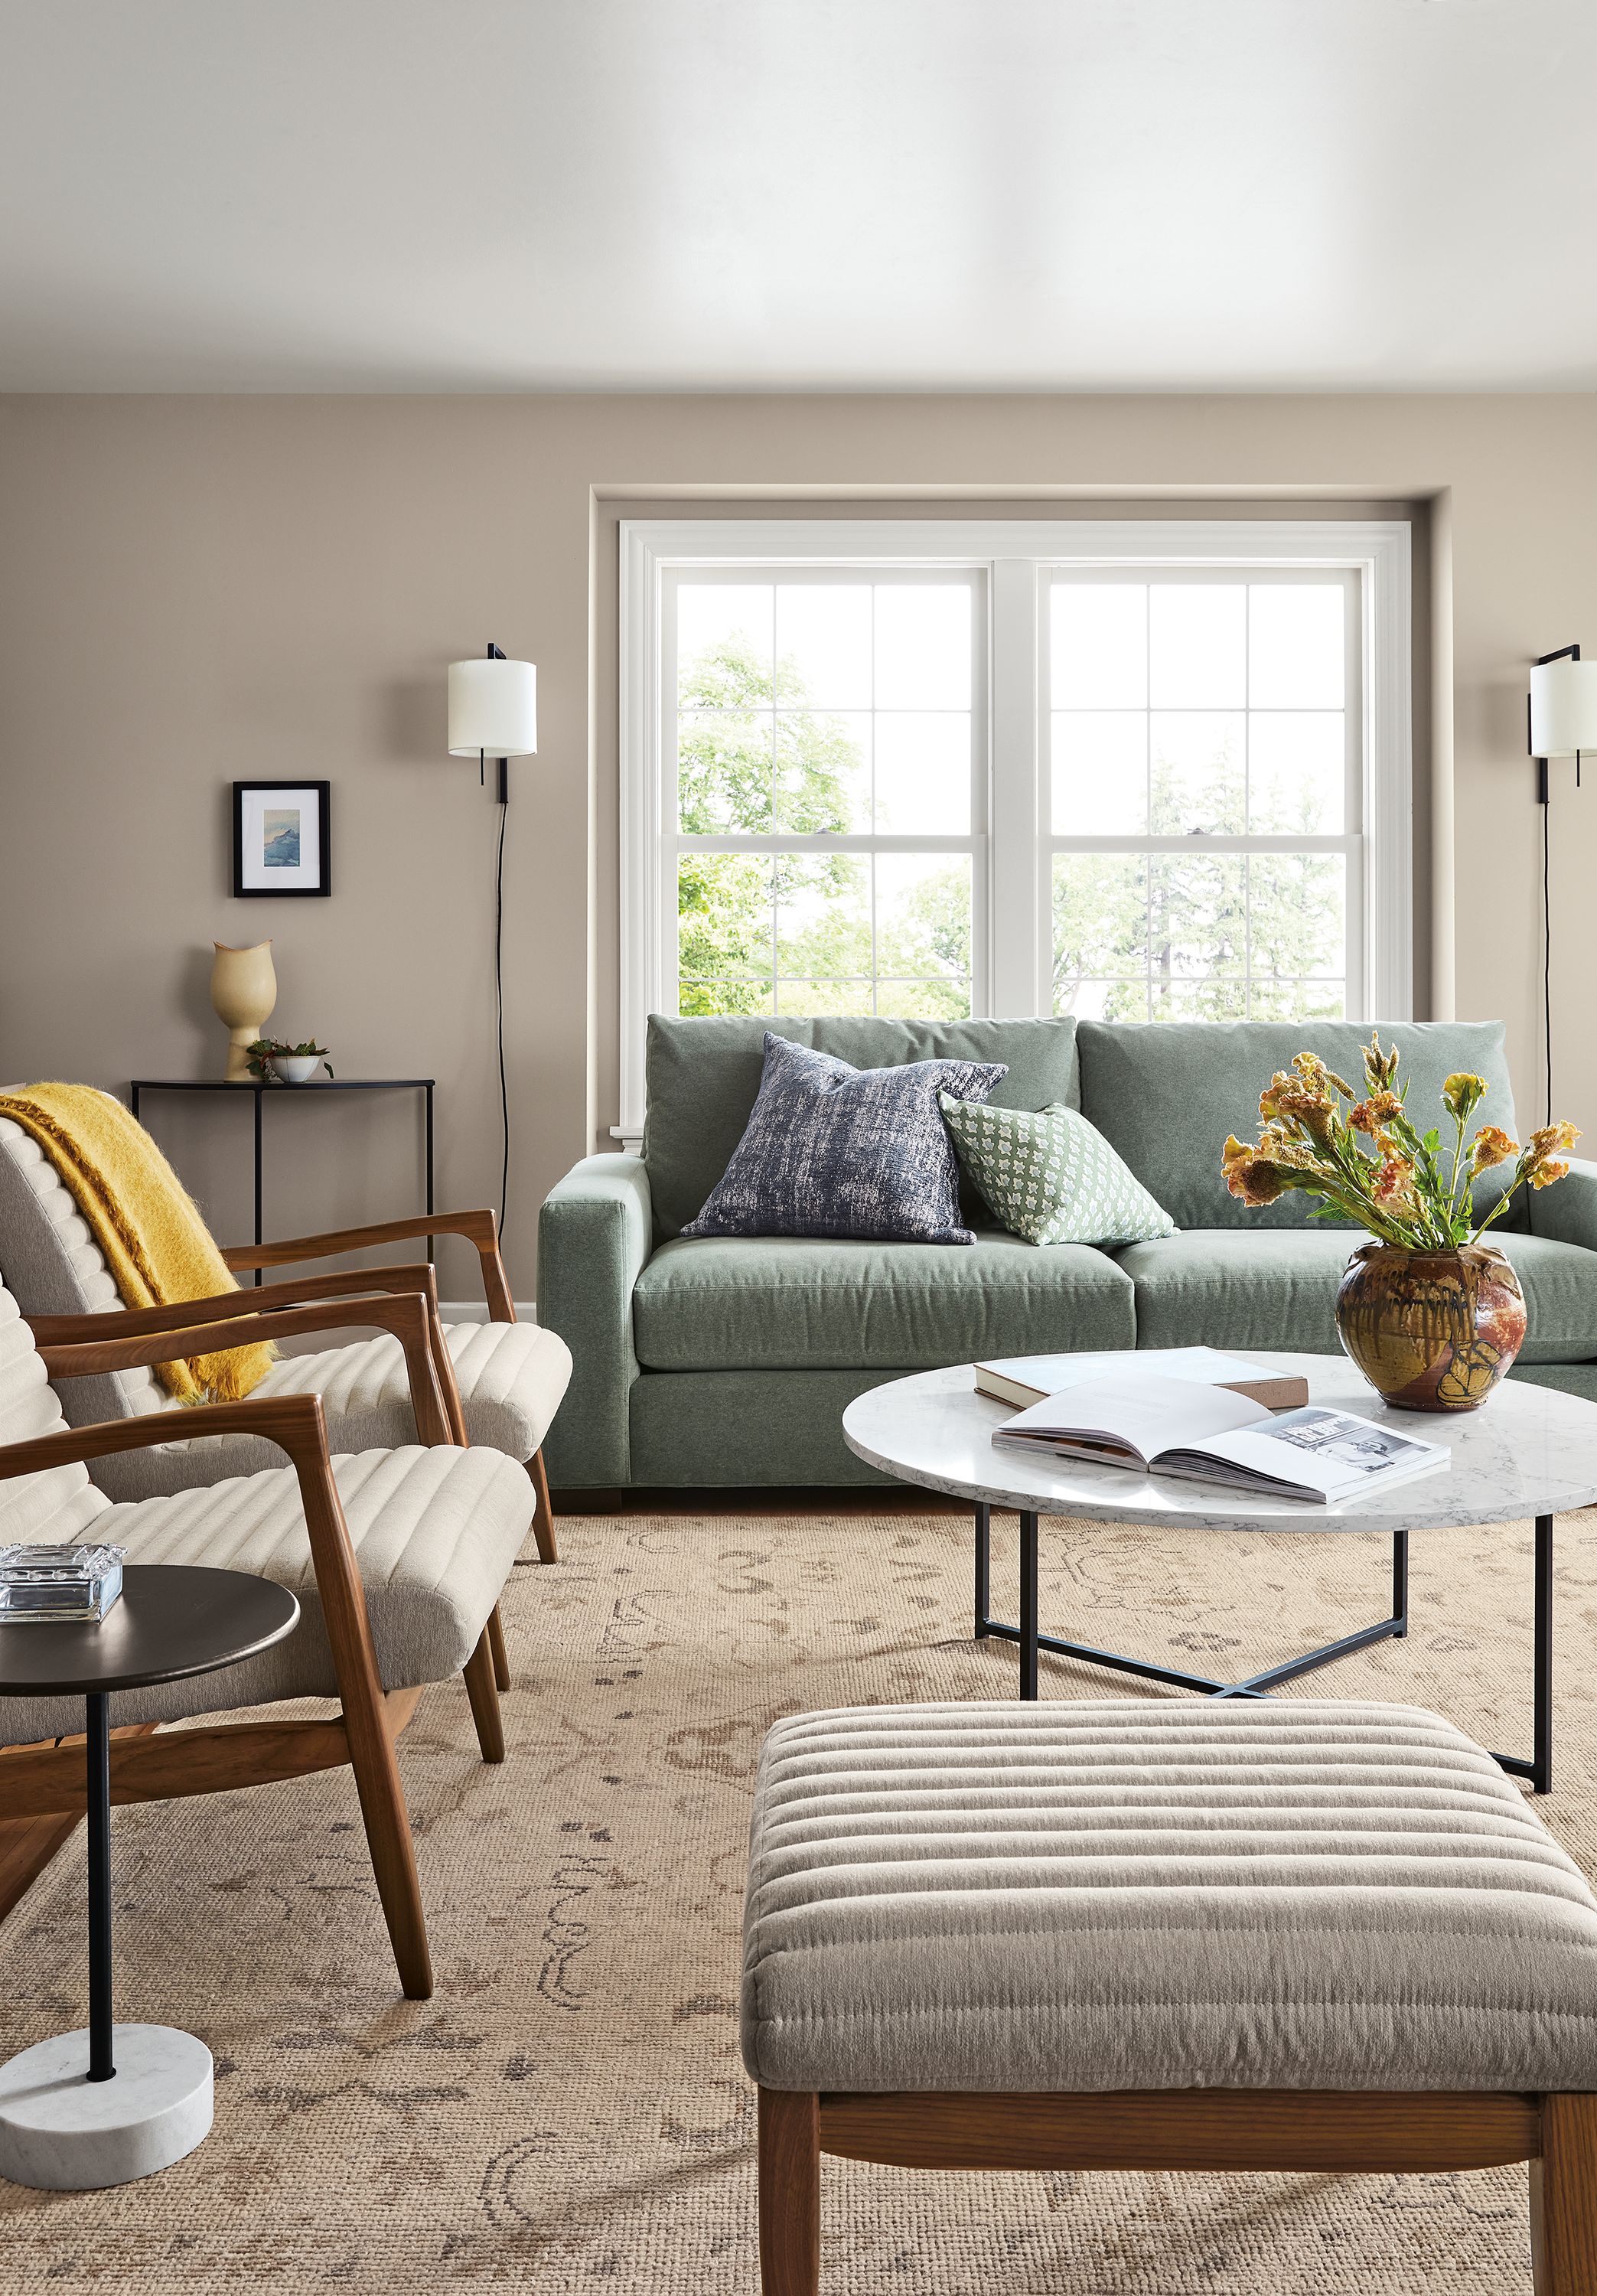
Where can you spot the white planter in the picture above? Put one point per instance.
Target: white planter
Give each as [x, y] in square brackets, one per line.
[296, 1071]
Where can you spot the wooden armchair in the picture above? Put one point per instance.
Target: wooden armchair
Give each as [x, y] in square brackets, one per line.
[412, 1626]
[511, 1376]
[480, 1228]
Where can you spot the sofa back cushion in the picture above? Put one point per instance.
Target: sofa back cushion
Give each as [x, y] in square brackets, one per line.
[1165, 1093]
[703, 1076]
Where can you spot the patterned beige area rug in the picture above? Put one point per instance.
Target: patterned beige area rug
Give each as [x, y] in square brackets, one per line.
[568, 2113]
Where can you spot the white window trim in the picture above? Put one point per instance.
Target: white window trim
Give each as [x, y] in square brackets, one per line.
[1014, 554]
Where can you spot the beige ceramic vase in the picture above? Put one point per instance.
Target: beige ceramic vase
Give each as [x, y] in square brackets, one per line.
[243, 990]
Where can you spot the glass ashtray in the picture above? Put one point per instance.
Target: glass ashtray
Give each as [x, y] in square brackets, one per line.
[56, 1583]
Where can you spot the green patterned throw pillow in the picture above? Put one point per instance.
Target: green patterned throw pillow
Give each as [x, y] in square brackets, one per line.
[1052, 1176]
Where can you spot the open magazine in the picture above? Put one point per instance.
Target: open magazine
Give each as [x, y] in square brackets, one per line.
[1213, 1435]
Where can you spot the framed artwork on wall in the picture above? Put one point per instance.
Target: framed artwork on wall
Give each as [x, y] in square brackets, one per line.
[280, 838]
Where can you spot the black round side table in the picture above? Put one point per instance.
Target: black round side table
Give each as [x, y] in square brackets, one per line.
[102, 2106]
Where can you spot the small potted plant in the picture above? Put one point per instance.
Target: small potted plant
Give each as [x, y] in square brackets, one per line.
[1432, 1315]
[279, 1063]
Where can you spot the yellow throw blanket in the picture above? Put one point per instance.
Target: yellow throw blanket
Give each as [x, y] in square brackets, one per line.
[157, 1246]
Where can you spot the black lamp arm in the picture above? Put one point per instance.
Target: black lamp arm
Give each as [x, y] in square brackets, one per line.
[1558, 654]
[497, 652]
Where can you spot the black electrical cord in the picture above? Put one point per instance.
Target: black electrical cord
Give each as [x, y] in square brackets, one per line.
[1547, 941]
[499, 1011]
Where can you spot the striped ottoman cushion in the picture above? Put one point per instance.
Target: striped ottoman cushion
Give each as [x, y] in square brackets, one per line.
[1157, 1895]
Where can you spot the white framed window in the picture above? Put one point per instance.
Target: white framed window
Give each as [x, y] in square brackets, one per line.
[1139, 770]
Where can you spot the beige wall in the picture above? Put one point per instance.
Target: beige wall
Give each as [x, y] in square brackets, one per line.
[197, 590]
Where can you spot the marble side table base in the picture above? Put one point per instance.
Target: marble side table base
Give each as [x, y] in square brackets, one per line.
[60, 2132]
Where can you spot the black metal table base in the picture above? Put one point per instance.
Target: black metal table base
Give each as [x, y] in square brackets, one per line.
[102, 2061]
[1538, 1769]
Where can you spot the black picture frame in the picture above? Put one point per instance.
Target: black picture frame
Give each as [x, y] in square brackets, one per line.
[243, 792]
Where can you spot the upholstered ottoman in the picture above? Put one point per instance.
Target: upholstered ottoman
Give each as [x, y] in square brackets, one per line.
[1193, 1934]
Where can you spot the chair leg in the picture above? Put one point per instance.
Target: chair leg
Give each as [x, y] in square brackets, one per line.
[789, 2192]
[542, 1513]
[388, 1841]
[483, 1692]
[496, 1644]
[1563, 2199]
[366, 1727]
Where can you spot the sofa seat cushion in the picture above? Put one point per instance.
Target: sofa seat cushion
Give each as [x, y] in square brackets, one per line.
[1277, 1289]
[789, 1303]
[435, 1532]
[511, 1376]
[1127, 1895]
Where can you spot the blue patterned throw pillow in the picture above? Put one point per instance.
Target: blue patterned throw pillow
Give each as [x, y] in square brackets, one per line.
[830, 1150]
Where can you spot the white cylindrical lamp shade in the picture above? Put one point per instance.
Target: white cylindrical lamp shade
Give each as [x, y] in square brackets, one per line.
[493, 709]
[1563, 708]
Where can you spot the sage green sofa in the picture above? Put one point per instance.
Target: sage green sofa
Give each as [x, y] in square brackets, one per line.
[728, 1361]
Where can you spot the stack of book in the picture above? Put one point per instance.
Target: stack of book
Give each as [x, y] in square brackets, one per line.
[75, 1584]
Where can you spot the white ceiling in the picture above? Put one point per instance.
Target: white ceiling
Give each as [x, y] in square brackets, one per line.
[736, 194]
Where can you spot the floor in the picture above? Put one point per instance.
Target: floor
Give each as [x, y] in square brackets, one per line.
[568, 2113]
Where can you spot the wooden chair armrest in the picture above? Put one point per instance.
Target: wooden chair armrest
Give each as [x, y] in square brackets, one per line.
[61, 1331]
[407, 1315]
[293, 1423]
[478, 1227]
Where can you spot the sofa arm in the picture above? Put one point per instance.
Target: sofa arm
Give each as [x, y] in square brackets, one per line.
[596, 1234]
[1567, 1212]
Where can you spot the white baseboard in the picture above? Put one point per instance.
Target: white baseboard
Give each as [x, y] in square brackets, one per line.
[475, 1311]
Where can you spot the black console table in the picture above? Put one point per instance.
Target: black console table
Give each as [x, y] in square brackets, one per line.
[261, 1090]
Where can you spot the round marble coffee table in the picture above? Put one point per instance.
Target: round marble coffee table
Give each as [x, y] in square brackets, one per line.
[1529, 1451]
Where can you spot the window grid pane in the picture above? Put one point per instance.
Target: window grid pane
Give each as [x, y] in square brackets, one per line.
[889, 932]
[1200, 935]
[1198, 711]
[827, 709]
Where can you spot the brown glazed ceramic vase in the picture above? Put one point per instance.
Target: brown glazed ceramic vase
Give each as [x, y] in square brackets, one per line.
[1431, 1331]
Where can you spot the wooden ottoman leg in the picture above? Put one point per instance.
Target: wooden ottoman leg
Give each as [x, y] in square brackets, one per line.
[789, 2192]
[542, 1513]
[1563, 2198]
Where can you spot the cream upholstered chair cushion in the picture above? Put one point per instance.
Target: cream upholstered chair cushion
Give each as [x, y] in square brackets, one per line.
[1151, 1895]
[436, 1533]
[52, 1265]
[511, 1376]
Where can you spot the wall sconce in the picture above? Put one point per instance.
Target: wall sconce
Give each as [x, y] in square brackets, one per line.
[494, 713]
[1560, 722]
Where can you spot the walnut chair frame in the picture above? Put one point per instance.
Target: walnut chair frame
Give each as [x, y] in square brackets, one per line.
[1300, 2130]
[480, 1228]
[42, 1786]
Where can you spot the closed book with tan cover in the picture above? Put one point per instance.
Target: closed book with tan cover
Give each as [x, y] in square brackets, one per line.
[1025, 1380]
